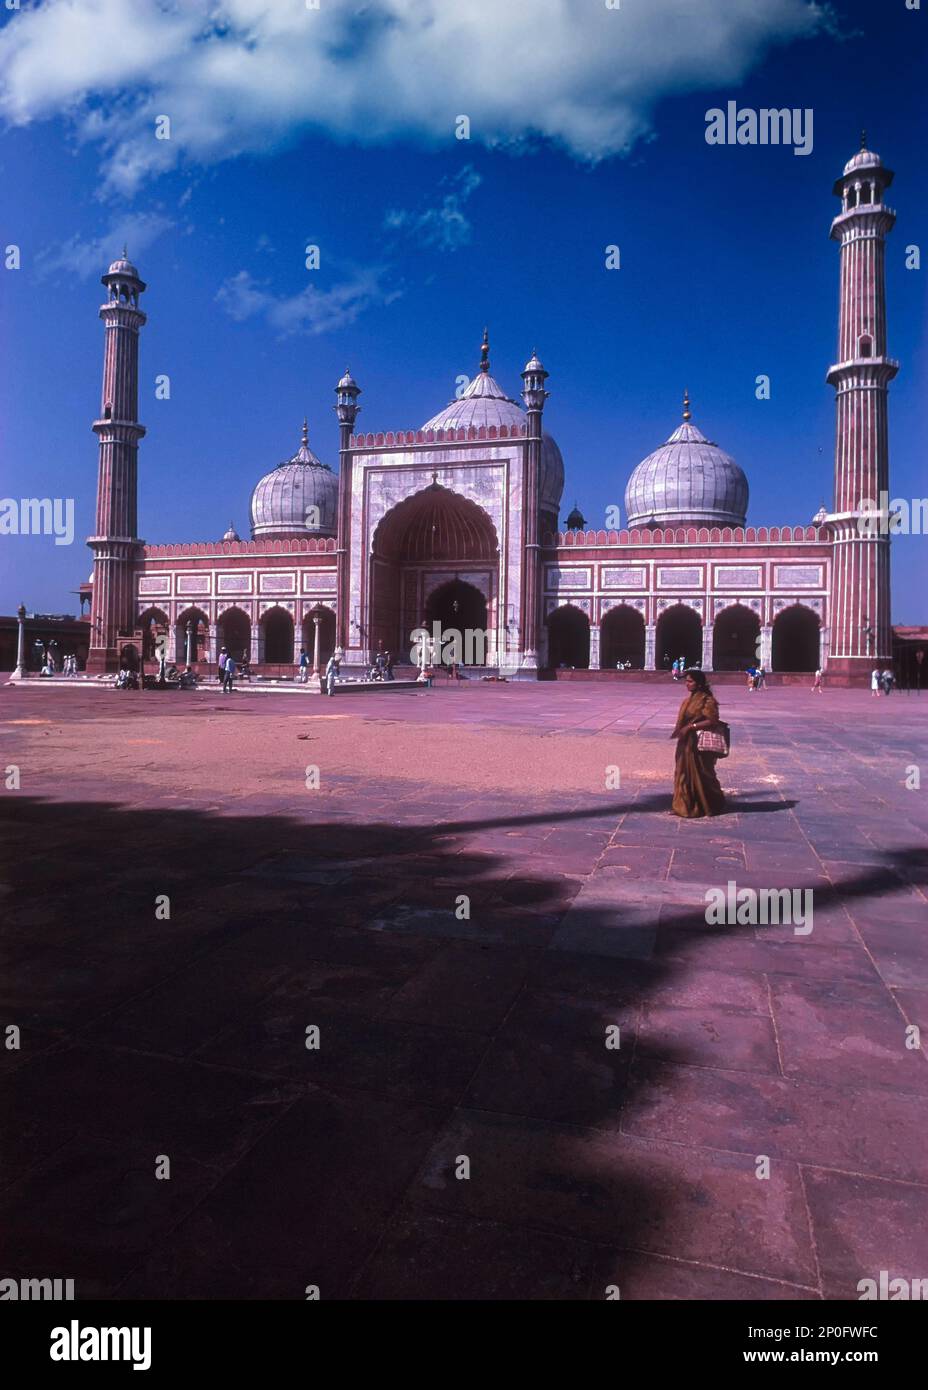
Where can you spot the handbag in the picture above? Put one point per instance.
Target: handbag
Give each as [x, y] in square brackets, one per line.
[716, 741]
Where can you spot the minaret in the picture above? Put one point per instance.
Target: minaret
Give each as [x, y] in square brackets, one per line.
[115, 542]
[347, 409]
[534, 395]
[861, 635]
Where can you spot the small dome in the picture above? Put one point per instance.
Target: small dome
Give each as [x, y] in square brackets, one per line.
[297, 498]
[123, 267]
[483, 402]
[576, 521]
[688, 480]
[346, 382]
[863, 159]
[533, 364]
[231, 534]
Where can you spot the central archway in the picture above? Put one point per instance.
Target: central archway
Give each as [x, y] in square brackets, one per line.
[736, 639]
[432, 531]
[459, 607]
[622, 638]
[679, 633]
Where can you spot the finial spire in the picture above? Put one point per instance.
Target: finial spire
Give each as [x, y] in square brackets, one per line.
[485, 351]
[125, 250]
[687, 413]
[863, 139]
[305, 439]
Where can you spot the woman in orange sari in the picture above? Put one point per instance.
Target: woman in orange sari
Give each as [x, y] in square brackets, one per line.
[696, 790]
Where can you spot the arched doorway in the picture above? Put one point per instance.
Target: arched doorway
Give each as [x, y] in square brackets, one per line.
[458, 608]
[434, 528]
[129, 657]
[569, 638]
[621, 638]
[154, 624]
[735, 639]
[234, 633]
[326, 634]
[796, 644]
[277, 627]
[200, 636]
[679, 633]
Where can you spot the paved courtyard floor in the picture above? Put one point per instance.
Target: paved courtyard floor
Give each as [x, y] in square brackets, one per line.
[538, 1071]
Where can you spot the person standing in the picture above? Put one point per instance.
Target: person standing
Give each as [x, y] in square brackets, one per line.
[331, 675]
[223, 658]
[875, 683]
[887, 682]
[696, 790]
[304, 666]
[817, 683]
[228, 675]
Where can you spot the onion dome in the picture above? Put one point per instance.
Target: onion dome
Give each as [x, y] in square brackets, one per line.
[123, 267]
[231, 534]
[297, 498]
[346, 382]
[483, 402]
[864, 158]
[688, 480]
[576, 521]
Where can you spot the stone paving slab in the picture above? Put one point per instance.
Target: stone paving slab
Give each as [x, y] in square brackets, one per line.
[445, 1034]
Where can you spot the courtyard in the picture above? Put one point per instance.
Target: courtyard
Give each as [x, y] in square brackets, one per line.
[412, 995]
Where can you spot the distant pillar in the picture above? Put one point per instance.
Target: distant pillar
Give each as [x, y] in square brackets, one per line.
[594, 646]
[766, 646]
[188, 655]
[650, 634]
[20, 670]
[708, 635]
[534, 395]
[317, 642]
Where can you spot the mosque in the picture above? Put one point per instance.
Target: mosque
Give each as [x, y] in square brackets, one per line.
[456, 522]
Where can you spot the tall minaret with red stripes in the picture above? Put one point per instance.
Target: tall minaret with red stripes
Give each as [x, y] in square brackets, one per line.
[115, 542]
[861, 634]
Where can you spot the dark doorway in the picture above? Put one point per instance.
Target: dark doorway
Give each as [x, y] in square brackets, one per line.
[736, 639]
[235, 634]
[796, 640]
[326, 635]
[679, 633]
[622, 638]
[278, 637]
[460, 607]
[569, 638]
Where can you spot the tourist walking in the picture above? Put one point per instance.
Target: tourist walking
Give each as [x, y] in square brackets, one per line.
[228, 675]
[331, 675]
[696, 790]
[223, 658]
[817, 683]
[886, 680]
[875, 683]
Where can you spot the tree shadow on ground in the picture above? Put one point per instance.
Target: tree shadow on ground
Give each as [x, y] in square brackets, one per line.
[164, 966]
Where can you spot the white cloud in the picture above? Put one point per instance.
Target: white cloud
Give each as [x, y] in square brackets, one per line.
[83, 258]
[445, 225]
[242, 75]
[311, 311]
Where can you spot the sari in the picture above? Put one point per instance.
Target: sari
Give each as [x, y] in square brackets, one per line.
[696, 790]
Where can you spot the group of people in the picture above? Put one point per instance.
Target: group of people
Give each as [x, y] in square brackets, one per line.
[68, 665]
[881, 682]
[382, 669]
[757, 678]
[678, 668]
[228, 669]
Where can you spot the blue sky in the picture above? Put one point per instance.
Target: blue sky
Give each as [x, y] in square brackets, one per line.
[587, 129]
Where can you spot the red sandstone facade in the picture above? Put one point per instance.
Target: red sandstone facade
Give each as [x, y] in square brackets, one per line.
[427, 521]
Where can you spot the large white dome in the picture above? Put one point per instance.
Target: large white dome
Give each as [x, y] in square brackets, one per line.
[687, 480]
[297, 498]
